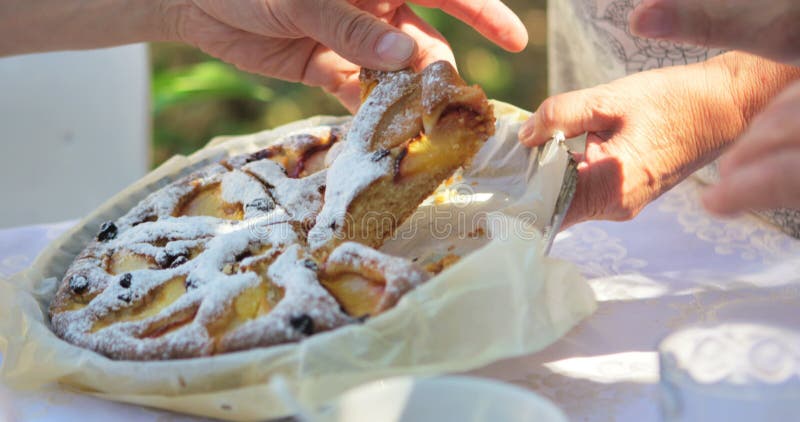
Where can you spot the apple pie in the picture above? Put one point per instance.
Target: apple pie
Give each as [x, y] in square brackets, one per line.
[277, 245]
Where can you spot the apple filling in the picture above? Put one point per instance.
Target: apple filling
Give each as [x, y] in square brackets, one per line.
[311, 161]
[422, 154]
[167, 325]
[250, 304]
[208, 202]
[152, 304]
[358, 295]
[445, 149]
[125, 261]
[305, 158]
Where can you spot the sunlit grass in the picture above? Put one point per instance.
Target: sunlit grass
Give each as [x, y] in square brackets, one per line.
[208, 80]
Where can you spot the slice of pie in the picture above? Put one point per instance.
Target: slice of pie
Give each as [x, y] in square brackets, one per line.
[221, 260]
[412, 132]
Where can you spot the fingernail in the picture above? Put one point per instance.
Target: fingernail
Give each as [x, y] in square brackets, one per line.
[395, 48]
[526, 131]
[654, 22]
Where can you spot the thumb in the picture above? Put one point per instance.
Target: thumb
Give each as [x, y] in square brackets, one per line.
[573, 113]
[352, 33]
[356, 35]
[768, 30]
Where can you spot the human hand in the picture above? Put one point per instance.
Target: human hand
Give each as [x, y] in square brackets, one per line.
[767, 28]
[323, 42]
[317, 42]
[647, 132]
[762, 169]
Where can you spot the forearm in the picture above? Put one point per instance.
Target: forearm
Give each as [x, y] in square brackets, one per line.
[700, 109]
[753, 82]
[726, 92]
[28, 26]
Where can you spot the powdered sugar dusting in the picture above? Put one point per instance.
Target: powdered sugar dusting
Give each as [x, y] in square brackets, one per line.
[302, 198]
[304, 298]
[354, 170]
[199, 265]
[239, 187]
[399, 274]
[165, 201]
[437, 81]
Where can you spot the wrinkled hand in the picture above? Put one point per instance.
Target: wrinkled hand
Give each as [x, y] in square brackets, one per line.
[762, 169]
[647, 132]
[323, 42]
[770, 28]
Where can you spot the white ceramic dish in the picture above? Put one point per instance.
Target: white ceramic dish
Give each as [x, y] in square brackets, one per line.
[447, 398]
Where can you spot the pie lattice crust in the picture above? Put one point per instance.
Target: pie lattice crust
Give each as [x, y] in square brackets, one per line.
[271, 247]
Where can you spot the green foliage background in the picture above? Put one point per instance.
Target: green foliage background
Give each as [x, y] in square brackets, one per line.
[196, 97]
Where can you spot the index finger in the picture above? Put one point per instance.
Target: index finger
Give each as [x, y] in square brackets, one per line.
[493, 19]
[432, 45]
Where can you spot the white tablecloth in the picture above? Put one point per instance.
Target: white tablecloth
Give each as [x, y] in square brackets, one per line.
[673, 265]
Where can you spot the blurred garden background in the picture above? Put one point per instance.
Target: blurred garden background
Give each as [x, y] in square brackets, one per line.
[196, 97]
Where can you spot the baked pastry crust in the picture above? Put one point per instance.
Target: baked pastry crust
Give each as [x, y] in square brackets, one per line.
[411, 133]
[221, 260]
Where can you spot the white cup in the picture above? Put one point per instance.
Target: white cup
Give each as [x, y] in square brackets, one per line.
[736, 371]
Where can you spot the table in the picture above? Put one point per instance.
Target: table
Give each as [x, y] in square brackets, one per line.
[673, 265]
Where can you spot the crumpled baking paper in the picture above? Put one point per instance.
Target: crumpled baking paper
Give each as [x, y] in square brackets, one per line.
[504, 298]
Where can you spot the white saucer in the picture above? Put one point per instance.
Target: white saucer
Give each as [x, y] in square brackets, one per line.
[448, 398]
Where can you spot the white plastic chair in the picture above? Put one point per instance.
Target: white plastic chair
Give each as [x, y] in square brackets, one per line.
[75, 129]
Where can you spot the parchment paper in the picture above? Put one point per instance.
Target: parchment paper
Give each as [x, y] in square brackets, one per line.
[503, 298]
